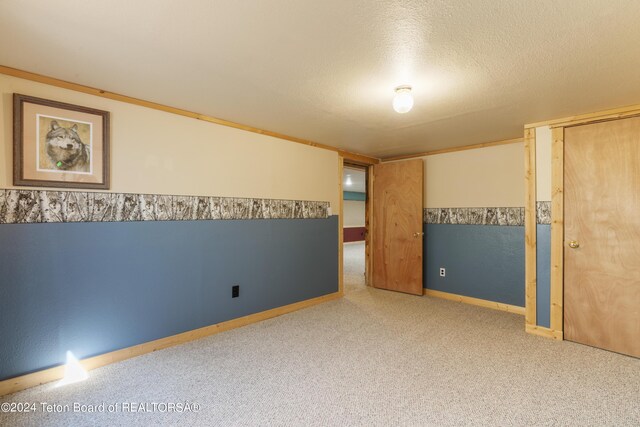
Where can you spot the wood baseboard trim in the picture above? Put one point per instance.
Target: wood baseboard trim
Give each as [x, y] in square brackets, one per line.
[541, 331]
[475, 301]
[23, 382]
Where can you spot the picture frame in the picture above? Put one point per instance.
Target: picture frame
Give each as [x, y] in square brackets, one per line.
[56, 144]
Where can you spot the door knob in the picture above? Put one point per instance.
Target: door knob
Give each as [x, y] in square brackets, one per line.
[574, 244]
[418, 234]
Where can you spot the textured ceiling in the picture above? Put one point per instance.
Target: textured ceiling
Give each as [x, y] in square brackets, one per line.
[325, 70]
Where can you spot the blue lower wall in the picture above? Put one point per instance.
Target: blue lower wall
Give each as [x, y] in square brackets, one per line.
[481, 261]
[543, 275]
[96, 287]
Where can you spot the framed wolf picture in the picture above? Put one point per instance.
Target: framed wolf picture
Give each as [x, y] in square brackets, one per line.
[59, 145]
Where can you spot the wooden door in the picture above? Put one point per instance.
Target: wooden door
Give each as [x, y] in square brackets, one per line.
[397, 226]
[602, 235]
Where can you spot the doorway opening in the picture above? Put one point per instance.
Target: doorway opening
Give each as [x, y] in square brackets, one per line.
[355, 225]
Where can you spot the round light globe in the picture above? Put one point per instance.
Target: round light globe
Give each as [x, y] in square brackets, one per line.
[403, 101]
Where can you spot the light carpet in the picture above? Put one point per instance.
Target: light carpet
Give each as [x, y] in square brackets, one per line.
[371, 358]
[353, 267]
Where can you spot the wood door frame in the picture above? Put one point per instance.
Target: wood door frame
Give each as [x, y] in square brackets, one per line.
[557, 233]
[557, 126]
[368, 169]
[530, 227]
[368, 241]
[340, 227]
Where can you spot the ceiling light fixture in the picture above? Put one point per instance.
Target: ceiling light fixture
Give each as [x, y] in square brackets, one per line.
[403, 101]
[348, 181]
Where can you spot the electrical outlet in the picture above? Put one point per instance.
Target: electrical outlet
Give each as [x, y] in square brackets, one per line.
[443, 272]
[235, 291]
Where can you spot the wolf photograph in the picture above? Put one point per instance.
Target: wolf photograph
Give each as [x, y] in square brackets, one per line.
[56, 144]
[64, 145]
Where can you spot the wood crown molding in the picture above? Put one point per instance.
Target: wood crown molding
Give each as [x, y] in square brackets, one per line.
[23, 382]
[454, 149]
[353, 157]
[580, 119]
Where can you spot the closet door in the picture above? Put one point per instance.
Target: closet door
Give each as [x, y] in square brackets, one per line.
[602, 235]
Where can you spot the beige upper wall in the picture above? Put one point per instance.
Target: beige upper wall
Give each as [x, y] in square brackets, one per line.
[543, 163]
[162, 153]
[483, 177]
[354, 213]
